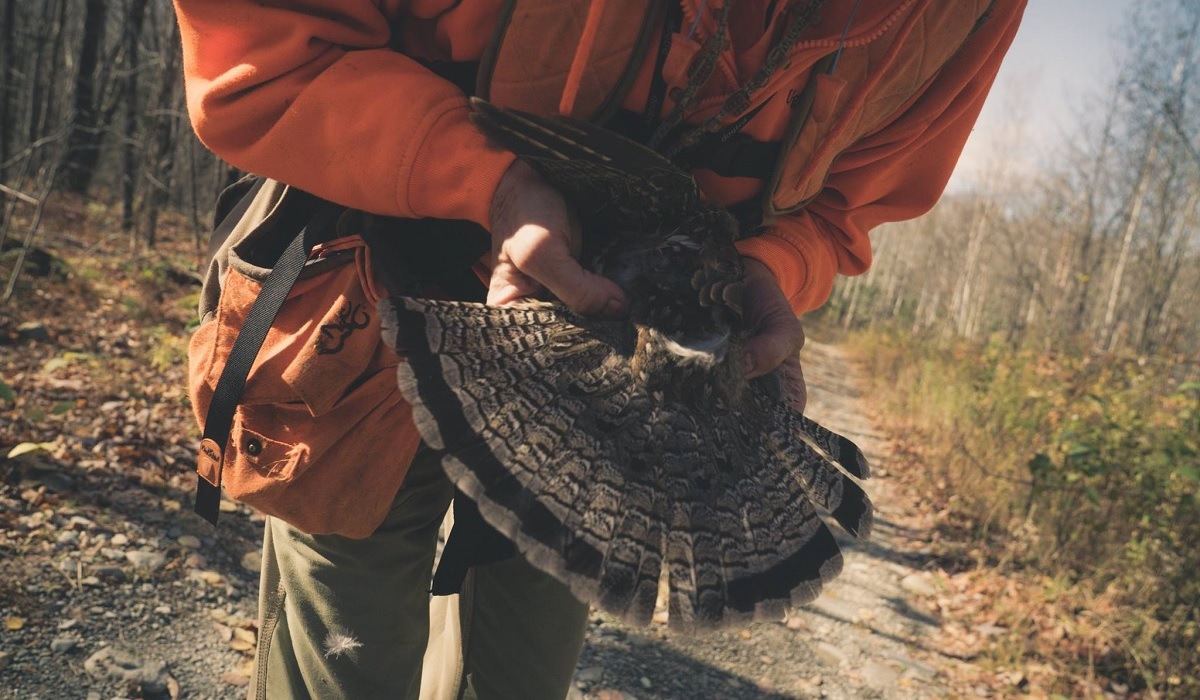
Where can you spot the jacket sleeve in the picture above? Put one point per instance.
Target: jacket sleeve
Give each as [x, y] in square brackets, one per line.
[894, 174]
[308, 92]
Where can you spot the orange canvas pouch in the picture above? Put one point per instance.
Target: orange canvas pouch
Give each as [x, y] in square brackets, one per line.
[303, 442]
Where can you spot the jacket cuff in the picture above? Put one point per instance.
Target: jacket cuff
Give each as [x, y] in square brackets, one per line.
[785, 258]
[455, 171]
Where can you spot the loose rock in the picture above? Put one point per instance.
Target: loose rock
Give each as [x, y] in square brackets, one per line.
[252, 561]
[151, 561]
[830, 654]
[917, 584]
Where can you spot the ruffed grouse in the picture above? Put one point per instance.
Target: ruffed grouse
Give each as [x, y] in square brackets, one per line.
[608, 450]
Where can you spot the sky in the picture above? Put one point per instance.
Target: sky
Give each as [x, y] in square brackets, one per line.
[1064, 54]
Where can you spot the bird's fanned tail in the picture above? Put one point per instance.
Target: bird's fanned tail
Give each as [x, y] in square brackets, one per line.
[604, 482]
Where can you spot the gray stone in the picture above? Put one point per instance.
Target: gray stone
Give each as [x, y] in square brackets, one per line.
[911, 667]
[115, 663]
[591, 674]
[841, 610]
[879, 675]
[831, 654]
[918, 585]
[189, 541]
[252, 561]
[61, 645]
[80, 521]
[151, 561]
[110, 574]
[119, 540]
[67, 537]
[154, 679]
[5, 660]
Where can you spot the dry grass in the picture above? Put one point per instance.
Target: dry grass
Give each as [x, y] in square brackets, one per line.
[1065, 488]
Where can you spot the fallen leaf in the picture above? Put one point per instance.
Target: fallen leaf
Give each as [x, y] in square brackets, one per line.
[243, 639]
[29, 448]
[244, 635]
[225, 633]
[14, 623]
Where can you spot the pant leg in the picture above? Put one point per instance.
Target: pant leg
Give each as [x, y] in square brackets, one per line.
[523, 632]
[343, 618]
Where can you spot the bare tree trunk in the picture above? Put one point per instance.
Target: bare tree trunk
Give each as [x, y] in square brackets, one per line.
[962, 304]
[1135, 212]
[41, 107]
[165, 138]
[8, 85]
[1168, 266]
[129, 153]
[848, 312]
[83, 143]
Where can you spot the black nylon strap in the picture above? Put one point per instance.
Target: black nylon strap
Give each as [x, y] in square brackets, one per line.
[228, 392]
[658, 84]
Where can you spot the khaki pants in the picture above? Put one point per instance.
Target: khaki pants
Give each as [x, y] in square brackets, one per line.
[353, 619]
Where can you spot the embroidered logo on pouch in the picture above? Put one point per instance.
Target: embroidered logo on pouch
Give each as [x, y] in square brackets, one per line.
[333, 336]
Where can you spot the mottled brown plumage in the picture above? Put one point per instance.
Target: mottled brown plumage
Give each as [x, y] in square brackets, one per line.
[610, 451]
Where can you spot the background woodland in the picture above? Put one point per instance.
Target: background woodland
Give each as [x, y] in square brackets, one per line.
[1034, 340]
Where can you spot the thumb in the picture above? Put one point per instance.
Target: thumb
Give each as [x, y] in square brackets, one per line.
[584, 292]
[508, 284]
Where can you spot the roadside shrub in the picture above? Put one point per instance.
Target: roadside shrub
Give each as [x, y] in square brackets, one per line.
[1081, 467]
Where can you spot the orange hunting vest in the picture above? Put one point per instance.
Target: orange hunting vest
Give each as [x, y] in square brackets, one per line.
[892, 51]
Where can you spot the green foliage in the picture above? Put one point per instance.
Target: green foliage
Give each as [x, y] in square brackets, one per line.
[1097, 457]
[67, 359]
[6, 392]
[167, 347]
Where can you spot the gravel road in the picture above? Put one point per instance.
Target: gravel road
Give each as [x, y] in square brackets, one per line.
[108, 591]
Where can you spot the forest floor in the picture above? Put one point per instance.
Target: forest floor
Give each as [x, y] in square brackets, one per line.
[111, 588]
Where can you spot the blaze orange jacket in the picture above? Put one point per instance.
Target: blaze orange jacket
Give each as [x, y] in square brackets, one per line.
[333, 96]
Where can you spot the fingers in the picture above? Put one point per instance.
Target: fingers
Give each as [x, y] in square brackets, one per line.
[777, 333]
[795, 390]
[536, 240]
[535, 257]
[777, 339]
[508, 284]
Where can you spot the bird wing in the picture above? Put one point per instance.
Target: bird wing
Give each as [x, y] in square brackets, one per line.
[608, 177]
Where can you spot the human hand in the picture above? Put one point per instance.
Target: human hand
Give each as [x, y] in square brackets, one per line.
[535, 243]
[777, 334]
